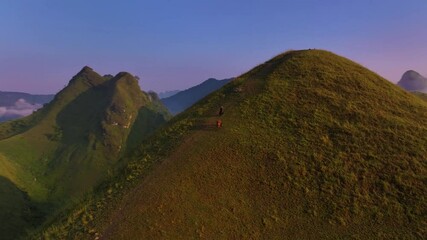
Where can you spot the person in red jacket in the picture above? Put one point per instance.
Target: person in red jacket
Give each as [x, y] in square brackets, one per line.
[218, 123]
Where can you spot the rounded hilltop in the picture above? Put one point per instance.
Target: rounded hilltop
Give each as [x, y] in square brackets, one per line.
[413, 81]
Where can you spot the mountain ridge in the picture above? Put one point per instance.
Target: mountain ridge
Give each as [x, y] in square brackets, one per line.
[166, 94]
[184, 99]
[313, 145]
[63, 150]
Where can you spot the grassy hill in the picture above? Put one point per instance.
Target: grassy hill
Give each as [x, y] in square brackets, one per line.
[65, 149]
[313, 146]
[421, 95]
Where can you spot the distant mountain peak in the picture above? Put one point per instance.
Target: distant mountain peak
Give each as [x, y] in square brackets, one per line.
[411, 73]
[125, 78]
[184, 99]
[86, 69]
[87, 76]
[124, 74]
[166, 94]
[413, 81]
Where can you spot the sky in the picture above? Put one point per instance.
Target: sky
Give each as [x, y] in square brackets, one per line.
[177, 44]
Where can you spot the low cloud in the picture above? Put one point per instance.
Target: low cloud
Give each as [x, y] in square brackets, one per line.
[21, 108]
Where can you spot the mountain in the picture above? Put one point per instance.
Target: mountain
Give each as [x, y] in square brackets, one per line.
[184, 99]
[9, 98]
[313, 146]
[16, 104]
[413, 81]
[168, 93]
[63, 150]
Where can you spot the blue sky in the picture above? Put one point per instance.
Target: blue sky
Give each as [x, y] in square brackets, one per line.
[177, 44]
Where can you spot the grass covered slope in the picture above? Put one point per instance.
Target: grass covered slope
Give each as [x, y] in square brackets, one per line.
[29, 143]
[313, 146]
[17, 210]
[423, 96]
[65, 149]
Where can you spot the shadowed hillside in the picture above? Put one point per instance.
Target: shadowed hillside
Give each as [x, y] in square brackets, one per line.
[313, 146]
[66, 148]
[16, 211]
[184, 99]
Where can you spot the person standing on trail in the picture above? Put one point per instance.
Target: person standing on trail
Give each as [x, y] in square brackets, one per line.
[219, 121]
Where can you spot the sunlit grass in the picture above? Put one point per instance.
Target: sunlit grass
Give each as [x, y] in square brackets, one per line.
[313, 146]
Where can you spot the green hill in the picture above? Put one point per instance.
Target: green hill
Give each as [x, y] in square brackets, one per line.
[65, 149]
[421, 95]
[313, 146]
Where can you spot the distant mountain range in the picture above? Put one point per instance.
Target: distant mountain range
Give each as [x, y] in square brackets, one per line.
[67, 147]
[413, 81]
[302, 154]
[17, 104]
[167, 93]
[184, 99]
